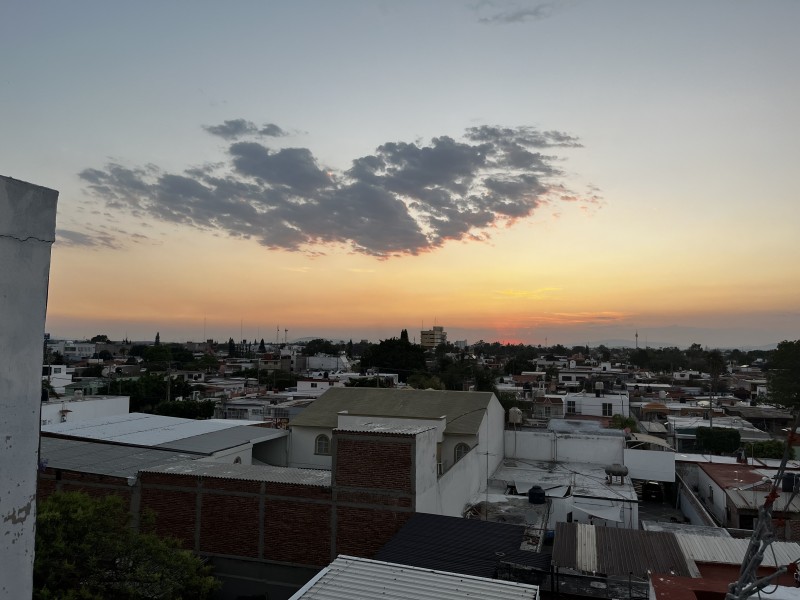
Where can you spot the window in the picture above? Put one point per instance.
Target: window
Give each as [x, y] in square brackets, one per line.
[607, 409]
[322, 445]
[571, 407]
[313, 385]
[546, 411]
[461, 451]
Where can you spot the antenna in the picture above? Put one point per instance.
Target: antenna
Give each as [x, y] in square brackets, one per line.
[285, 336]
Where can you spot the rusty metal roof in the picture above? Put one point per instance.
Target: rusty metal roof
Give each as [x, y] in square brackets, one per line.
[594, 549]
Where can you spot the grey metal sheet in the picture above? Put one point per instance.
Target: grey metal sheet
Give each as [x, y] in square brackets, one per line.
[350, 578]
[269, 473]
[223, 439]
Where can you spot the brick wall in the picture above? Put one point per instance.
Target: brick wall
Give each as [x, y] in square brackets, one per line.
[52, 480]
[373, 485]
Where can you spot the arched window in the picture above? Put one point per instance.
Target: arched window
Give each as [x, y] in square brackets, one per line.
[322, 445]
[461, 451]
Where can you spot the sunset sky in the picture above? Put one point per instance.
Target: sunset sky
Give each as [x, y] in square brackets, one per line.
[560, 172]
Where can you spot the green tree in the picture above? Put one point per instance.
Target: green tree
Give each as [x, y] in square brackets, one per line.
[715, 363]
[101, 338]
[622, 422]
[424, 381]
[86, 549]
[766, 449]
[718, 440]
[783, 376]
[262, 346]
[158, 354]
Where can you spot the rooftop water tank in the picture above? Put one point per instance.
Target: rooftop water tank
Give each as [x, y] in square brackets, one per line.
[536, 495]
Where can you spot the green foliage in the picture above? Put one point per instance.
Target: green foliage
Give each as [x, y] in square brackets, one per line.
[320, 346]
[718, 440]
[186, 409]
[783, 377]
[622, 422]
[424, 381]
[86, 549]
[158, 354]
[395, 355]
[383, 382]
[766, 449]
[100, 338]
[92, 371]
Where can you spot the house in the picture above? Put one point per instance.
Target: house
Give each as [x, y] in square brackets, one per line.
[598, 404]
[465, 421]
[549, 406]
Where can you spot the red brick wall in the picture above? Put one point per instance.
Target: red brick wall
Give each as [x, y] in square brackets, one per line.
[297, 532]
[52, 480]
[371, 461]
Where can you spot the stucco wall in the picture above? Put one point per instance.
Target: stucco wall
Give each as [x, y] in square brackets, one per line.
[562, 447]
[27, 230]
[651, 465]
[82, 410]
[301, 451]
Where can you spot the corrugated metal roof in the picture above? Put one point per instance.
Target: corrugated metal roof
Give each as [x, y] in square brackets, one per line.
[200, 468]
[614, 551]
[223, 439]
[462, 409]
[456, 545]
[141, 429]
[731, 551]
[385, 428]
[350, 578]
[102, 458]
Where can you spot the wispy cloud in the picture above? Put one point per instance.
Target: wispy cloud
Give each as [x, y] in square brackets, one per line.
[404, 198]
[505, 13]
[68, 237]
[538, 294]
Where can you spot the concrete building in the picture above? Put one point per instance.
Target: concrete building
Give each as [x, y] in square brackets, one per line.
[83, 408]
[27, 231]
[431, 338]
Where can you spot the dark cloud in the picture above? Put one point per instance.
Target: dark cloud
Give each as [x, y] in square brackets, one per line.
[238, 128]
[405, 198]
[68, 237]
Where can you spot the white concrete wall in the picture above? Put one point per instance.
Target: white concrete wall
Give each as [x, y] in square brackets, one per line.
[425, 472]
[273, 452]
[589, 404]
[244, 453]
[81, 410]
[652, 465]
[455, 488]
[713, 502]
[564, 447]
[302, 446]
[27, 230]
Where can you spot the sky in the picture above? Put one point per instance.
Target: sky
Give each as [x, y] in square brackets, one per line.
[525, 172]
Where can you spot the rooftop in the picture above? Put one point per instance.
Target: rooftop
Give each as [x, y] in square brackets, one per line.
[103, 459]
[138, 429]
[267, 473]
[464, 410]
[361, 578]
[456, 545]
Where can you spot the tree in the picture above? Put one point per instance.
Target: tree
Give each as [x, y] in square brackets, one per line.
[100, 338]
[404, 335]
[715, 364]
[86, 549]
[783, 377]
[158, 338]
[718, 440]
[622, 422]
[766, 449]
[262, 347]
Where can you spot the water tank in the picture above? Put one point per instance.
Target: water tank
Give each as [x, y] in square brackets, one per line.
[617, 470]
[536, 495]
[514, 415]
[789, 481]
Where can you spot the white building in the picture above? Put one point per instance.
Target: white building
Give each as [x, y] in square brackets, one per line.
[58, 376]
[83, 408]
[602, 404]
[463, 427]
[431, 338]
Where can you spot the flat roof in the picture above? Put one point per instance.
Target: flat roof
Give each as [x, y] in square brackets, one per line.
[457, 545]
[102, 458]
[594, 427]
[224, 439]
[360, 578]
[142, 429]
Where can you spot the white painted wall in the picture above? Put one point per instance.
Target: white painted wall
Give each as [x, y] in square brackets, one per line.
[27, 230]
[652, 465]
[244, 453]
[588, 404]
[273, 452]
[454, 489]
[81, 410]
[564, 447]
[712, 496]
[302, 446]
[425, 471]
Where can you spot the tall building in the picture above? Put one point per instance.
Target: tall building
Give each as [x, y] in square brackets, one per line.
[433, 337]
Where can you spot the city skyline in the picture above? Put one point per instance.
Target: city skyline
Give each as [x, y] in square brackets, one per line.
[514, 171]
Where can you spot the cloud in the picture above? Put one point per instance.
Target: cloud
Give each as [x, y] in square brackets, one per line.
[68, 237]
[523, 14]
[404, 198]
[239, 128]
[537, 294]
